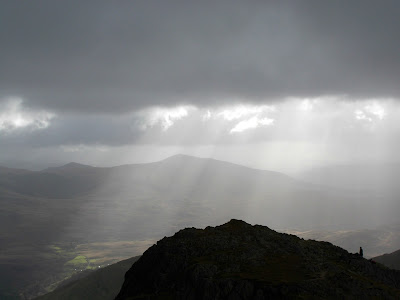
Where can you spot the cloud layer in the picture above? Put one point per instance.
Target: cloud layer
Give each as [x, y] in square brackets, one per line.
[282, 81]
[307, 120]
[13, 117]
[98, 56]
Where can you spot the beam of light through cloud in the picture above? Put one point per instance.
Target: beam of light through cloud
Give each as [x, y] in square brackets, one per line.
[246, 116]
[306, 105]
[371, 113]
[251, 123]
[376, 110]
[360, 115]
[206, 116]
[165, 117]
[242, 111]
[13, 116]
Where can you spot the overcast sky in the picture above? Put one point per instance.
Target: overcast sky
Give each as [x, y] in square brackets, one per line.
[283, 85]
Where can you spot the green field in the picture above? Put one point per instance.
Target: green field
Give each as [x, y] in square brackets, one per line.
[34, 270]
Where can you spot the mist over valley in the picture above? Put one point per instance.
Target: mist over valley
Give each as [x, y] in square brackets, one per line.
[50, 217]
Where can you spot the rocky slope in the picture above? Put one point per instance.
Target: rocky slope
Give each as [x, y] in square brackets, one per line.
[240, 261]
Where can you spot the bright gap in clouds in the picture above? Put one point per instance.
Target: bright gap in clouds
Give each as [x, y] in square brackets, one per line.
[371, 111]
[251, 123]
[248, 117]
[308, 114]
[13, 115]
[240, 117]
[165, 117]
[295, 134]
[243, 111]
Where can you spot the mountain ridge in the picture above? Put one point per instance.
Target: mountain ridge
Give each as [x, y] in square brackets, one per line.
[67, 166]
[239, 261]
[73, 179]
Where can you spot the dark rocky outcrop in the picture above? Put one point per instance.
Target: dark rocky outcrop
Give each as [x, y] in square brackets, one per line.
[240, 261]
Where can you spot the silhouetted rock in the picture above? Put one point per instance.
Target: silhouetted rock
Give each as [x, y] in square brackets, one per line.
[240, 261]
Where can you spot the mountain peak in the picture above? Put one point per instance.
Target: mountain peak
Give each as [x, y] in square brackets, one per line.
[235, 224]
[75, 165]
[71, 166]
[181, 157]
[239, 261]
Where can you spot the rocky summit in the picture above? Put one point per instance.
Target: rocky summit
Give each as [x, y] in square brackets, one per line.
[240, 261]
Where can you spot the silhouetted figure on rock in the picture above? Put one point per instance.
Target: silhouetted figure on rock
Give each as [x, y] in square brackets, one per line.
[361, 252]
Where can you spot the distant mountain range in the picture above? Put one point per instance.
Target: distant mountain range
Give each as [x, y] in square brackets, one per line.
[62, 182]
[374, 241]
[391, 260]
[77, 203]
[378, 179]
[186, 191]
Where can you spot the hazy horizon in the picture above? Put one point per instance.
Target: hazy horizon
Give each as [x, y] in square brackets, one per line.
[297, 173]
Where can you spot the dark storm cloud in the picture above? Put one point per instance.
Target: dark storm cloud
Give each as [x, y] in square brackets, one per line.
[77, 130]
[98, 56]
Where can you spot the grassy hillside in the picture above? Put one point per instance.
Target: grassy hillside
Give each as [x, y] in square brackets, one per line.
[102, 284]
[26, 272]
